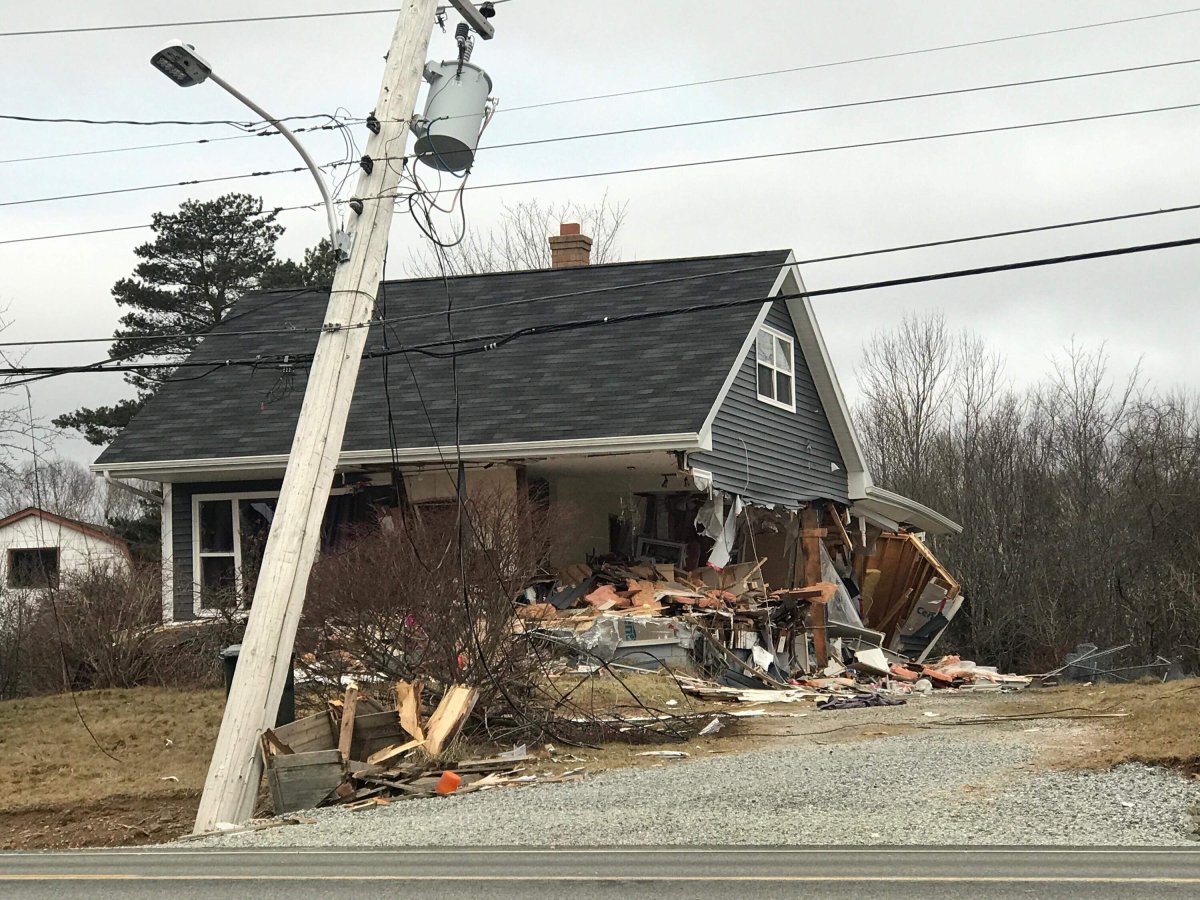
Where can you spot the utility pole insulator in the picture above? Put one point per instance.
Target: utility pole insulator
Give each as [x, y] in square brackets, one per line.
[475, 18]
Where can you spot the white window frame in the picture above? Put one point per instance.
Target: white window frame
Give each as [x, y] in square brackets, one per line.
[786, 338]
[233, 498]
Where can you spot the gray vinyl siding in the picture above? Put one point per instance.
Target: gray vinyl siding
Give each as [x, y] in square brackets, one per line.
[181, 523]
[768, 454]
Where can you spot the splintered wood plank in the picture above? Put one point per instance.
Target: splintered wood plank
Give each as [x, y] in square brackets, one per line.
[449, 717]
[374, 732]
[408, 707]
[272, 744]
[309, 734]
[839, 529]
[346, 734]
[389, 753]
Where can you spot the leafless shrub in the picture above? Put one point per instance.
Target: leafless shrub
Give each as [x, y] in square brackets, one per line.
[95, 629]
[16, 620]
[430, 596]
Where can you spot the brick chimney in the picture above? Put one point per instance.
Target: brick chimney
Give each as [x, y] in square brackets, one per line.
[569, 248]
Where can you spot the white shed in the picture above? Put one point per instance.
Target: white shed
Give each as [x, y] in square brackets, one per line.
[37, 548]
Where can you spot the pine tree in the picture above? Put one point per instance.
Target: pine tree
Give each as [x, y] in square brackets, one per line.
[202, 259]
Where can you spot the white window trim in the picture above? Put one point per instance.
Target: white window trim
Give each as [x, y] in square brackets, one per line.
[774, 332]
[231, 497]
[197, 610]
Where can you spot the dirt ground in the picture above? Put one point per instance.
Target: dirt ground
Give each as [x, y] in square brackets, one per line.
[138, 782]
[58, 789]
[1153, 723]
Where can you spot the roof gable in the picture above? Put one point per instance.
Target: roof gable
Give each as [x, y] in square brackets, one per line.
[93, 531]
[649, 377]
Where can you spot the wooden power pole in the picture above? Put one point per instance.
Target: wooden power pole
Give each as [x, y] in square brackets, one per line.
[231, 788]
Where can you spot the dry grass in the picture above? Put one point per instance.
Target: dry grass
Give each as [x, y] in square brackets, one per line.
[1163, 726]
[47, 758]
[607, 693]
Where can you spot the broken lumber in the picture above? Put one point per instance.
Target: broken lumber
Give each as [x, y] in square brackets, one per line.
[408, 707]
[346, 732]
[390, 753]
[449, 717]
[303, 780]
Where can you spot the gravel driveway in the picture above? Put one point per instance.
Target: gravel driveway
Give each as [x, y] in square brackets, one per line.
[964, 785]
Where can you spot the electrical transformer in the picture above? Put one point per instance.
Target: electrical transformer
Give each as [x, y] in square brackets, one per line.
[448, 132]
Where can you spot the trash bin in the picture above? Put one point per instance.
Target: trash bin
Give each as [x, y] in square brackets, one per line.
[287, 703]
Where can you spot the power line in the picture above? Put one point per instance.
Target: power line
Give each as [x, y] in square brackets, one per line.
[494, 341]
[136, 26]
[854, 60]
[847, 105]
[609, 173]
[45, 120]
[802, 262]
[722, 120]
[856, 146]
[208, 140]
[636, 285]
[486, 342]
[152, 187]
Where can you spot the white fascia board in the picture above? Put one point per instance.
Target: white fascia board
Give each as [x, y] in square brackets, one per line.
[908, 511]
[873, 516]
[829, 389]
[751, 336]
[180, 469]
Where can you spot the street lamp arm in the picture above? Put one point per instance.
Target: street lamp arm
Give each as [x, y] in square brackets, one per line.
[334, 231]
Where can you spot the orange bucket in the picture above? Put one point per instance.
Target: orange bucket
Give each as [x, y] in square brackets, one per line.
[448, 783]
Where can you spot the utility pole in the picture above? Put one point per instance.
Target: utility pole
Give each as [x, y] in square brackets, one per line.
[231, 788]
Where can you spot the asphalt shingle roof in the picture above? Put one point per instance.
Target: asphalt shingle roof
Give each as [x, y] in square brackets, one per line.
[655, 376]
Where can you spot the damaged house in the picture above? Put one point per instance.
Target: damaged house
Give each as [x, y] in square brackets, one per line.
[681, 412]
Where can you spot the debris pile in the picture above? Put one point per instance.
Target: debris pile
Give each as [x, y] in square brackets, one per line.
[357, 754]
[727, 635]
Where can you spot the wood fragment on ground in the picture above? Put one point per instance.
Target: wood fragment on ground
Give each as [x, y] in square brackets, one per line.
[449, 717]
[346, 732]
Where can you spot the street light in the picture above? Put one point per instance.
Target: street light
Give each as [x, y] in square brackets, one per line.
[180, 62]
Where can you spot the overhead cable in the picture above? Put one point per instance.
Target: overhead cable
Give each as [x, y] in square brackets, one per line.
[662, 127]
[855, 60]
[240, 20]
[61, 120]
[491, 341]
[846, 105]
[608, 173]
[205, 140]
[609, 289]
[153, 187]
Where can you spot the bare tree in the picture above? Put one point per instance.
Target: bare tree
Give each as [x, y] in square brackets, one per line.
[1079, 496]
[905, 380]
[60, 486]
[519, 240]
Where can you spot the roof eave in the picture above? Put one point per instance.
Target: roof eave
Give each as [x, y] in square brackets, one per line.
[172, 470]
[905, 511]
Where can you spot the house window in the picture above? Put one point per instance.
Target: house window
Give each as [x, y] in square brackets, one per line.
[776, 368]
[230, 535]
[34, 567]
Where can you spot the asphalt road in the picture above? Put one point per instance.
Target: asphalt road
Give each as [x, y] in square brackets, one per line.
[714, 872]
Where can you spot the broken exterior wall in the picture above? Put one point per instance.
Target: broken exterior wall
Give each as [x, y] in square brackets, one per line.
[588, 502]
[432, 484]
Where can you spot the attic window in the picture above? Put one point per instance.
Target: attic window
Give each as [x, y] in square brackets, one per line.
[774, 353]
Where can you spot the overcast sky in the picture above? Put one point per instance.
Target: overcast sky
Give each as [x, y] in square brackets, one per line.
[1141, 306]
